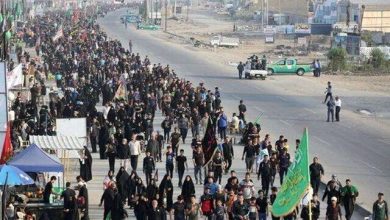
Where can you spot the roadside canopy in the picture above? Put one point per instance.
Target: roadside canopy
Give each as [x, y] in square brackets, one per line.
[34, 159]
[57, 142]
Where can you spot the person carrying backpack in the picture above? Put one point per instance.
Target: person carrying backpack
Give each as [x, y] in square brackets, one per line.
[206, 202]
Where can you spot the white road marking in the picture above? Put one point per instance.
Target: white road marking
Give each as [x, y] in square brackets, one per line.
[372, 167]
[322, 141]
[282, 98]
[309, 110]
[284, 122]
[385, 141]
[346, 126]
[236, 97]
[259, 109]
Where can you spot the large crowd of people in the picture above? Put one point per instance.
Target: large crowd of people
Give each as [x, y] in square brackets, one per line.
[93, 72]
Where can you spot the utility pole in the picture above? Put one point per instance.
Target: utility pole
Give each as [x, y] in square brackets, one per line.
[155, 20]
[188, 8]
[166, 16]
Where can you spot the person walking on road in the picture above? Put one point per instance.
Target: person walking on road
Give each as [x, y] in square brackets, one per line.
[153, 146]
[328, 91]
[108, 199]
[148, 167]
[333, 211]
[181, 165]
[111, 153]
[249, 154]
[316, 173]
[330, 104]
[218, 167]
[123, 153]
[135, 151]
[228, 153]
[183, 124]
[284, 163]
[198, 160]
[380, 209]
[240, 69]
[348, 196]
[332, 190]
[242, 110]
[222, 124]
[337, 103]
[130, 46]
[166, 125]
[265, 171]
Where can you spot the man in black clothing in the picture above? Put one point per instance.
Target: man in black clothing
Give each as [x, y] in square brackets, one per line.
[272, 198]
[218, 166]
[179, 209]
[155, 212]
[332, 190]
[249, 154]
[181, 164]
[198, 159]
[148, 167]
[240, 69]
[228, 153]
[166, 126]
[265, 173]
[49, 189]
[242, 110]
[316, 172]
[262, 205]
[240, 207]
[70, 207]
[279, 144]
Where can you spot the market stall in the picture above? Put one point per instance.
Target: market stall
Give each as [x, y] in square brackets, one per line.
[35, 161]
[65, 147]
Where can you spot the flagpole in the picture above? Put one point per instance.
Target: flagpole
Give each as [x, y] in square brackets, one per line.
[3, 198]
[308, 169]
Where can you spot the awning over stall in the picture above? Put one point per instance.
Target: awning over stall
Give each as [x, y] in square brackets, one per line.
[34, 159]
[57, 142]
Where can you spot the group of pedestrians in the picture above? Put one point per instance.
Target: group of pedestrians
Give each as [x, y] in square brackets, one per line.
[333, 104]
[133, 90]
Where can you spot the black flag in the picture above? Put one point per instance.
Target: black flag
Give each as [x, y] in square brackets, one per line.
[209, 143]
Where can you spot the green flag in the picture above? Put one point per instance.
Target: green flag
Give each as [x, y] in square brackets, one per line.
[296, 182]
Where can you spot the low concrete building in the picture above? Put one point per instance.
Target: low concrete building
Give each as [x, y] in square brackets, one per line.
[376, 18]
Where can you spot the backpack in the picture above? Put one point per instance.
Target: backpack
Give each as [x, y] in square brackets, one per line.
[207, 206]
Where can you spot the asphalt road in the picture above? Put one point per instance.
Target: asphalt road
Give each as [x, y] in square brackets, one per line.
[350, 149]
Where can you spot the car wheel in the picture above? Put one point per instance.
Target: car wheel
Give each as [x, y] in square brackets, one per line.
[300, 72]
[270, 72]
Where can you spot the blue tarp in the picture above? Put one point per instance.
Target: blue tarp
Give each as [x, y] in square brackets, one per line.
[34, 159]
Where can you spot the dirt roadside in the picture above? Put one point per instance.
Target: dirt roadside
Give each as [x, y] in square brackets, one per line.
[202, 26]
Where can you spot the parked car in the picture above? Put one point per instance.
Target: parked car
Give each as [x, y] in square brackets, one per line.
[288, 66]
[222, 41]
[142, 26]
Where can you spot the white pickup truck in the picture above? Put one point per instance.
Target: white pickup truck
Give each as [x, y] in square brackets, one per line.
[222, 41]
[251, 74]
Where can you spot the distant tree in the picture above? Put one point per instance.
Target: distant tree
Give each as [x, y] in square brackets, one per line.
[377, 58]
[337, 57]
[367, 37]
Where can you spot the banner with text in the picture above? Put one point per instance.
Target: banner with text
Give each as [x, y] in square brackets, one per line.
[296, 182]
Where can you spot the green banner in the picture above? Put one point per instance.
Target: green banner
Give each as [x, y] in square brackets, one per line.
[296, 182]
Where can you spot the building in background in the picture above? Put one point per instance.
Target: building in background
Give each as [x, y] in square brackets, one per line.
[376, 18]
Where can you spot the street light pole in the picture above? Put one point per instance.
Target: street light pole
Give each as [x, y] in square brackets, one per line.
[166, 16]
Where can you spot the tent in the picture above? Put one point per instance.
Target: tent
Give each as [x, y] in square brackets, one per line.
[57, 142]
[34, 159]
